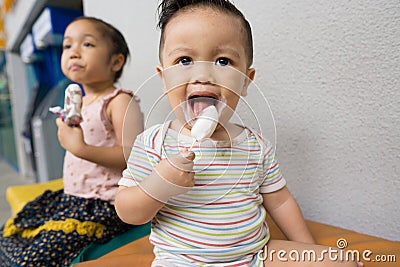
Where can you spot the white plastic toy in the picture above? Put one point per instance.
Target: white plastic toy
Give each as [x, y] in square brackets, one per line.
[71, 113]
[205, 124]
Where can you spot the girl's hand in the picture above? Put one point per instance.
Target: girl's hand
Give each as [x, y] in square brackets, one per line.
[70, 138]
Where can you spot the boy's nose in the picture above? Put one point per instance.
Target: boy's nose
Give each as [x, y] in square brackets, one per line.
[203, 72]
[199, 72]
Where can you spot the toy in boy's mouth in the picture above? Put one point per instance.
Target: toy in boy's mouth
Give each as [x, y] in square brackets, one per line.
[199, 102]
[205, 124]
[202, 113]
[71, 114]
[195, 105]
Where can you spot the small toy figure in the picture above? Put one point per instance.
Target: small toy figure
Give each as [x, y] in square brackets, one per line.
[71, 113]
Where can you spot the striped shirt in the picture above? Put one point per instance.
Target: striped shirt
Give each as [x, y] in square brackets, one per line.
[221, 219]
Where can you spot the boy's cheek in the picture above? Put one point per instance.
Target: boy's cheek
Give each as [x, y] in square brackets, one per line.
[175, 100]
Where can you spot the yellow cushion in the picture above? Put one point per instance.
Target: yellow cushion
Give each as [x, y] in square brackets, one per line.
[18, 195]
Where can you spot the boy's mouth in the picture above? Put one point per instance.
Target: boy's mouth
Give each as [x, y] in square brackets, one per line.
[199, 101]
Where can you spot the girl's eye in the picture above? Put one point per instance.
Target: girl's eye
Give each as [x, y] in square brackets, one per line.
[185, 61]
[66, 46]
[223, 61]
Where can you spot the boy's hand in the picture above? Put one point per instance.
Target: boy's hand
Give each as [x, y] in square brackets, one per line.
[177, 169]
[171, 177]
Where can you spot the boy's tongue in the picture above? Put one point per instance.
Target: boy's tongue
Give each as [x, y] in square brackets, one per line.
[199, 104]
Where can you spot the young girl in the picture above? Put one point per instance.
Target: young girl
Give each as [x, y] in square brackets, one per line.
[208, 206]
[54, 228]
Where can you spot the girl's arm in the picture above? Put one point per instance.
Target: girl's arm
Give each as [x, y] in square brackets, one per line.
[71, 138]
[286, 213]
[125, 114]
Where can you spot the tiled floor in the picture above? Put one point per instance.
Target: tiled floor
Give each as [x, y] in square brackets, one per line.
[8, 176]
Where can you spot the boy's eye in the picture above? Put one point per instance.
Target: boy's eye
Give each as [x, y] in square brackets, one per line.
[87, 44]
[66, 46]
[223, 61]
[185, 61]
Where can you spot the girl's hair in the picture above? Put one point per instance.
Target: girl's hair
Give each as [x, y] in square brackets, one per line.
[167, 9]
[117, 40]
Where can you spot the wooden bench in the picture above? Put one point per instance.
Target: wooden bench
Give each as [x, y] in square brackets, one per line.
[140, 252]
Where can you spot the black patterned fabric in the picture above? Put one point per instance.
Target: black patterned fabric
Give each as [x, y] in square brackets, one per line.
[52, 230]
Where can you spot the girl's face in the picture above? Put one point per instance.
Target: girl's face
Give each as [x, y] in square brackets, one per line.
[86, 56]
[207, 46]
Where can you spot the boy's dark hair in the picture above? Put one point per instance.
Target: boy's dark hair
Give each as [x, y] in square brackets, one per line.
[167, 9]
[117, 40]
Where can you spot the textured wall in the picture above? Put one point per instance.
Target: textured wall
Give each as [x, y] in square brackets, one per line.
[330, 70]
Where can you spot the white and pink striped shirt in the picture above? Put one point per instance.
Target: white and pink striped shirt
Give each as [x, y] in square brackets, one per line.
[221, 221]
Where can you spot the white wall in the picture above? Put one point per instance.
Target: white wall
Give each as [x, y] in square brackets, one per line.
[137, 21]
[330, 70]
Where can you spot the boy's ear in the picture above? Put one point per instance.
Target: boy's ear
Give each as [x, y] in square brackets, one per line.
[117, 62]
[160, 70]
[251, 72]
